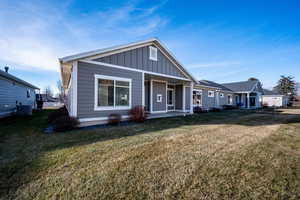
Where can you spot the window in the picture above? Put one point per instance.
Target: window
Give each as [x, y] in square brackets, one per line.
[222, 95]
[197, 97]
[211, 93]
[159, 98]
[28, 94]
[229, 99]
[153, 53]
[112, 93]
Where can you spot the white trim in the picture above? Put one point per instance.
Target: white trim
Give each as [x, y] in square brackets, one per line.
[132, 69]
[74, 89]
[191, 98]
[197, 90]
[143, 89]
[159, 111]
[183, 96]
[151, 96]
[100, 118]
[151, 57]
[114, 107]
[213, 93]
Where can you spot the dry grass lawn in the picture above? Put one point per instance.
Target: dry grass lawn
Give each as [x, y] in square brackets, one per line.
[226, 155]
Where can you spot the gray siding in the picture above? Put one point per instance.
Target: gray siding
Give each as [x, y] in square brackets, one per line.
[159, 88]
[207, 102]
[147, 96]
[139, 59]
[12, 92]
[178, 97]
[86, 90]
[187, 98]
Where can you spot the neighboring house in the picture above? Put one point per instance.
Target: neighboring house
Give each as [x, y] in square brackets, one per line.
[49, 101]
[14, 91]
[114, 80]
[208, 95]
[248, 94]
[274, 99]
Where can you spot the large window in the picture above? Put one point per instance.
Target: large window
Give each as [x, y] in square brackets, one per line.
[112, 93]
[197, 97]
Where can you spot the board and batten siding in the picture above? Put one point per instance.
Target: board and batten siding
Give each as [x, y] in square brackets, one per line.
[12, 92]
[86, 89]
[187, 98]
[159, 88]
[139, 59]
[178, 97]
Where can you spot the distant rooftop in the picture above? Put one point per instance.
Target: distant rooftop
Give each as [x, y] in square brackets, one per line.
[241, 86]
[14, 78]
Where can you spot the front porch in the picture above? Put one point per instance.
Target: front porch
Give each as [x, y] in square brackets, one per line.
[248, 100]
[166, 97]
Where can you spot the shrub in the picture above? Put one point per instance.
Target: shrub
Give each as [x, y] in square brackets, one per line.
[198, 109]
[57, 113]
[215, 109]
[138, 114]
[114, 119]
[229, 107]
[65, 123]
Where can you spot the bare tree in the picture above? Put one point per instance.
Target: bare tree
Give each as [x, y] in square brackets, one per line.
[61, 91]
[48, 91]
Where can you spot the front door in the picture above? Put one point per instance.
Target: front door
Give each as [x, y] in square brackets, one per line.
[170, 99]
[252, 101]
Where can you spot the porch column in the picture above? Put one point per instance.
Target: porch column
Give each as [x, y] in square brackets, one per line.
[191, 99]
[248, 100]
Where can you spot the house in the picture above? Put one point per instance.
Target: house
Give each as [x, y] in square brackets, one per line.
[49, 101]
[274, 99]
[209, 95]
[248, 94]
[13, 92]
[114, 80]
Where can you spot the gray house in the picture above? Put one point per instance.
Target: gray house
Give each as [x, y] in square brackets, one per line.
[209, 95]
[114, 80]
[14, 91]
[248, 94]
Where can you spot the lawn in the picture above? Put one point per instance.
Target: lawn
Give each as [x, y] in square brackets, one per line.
[225, 155]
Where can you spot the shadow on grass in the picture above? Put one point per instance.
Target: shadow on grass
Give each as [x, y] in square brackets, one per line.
[22, 140]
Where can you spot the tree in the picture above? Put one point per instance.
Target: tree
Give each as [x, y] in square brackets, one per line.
[253, 79]
[48, 91]
[61, 91]
[286, 86]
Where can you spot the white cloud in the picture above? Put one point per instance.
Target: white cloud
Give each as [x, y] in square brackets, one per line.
[35, 35]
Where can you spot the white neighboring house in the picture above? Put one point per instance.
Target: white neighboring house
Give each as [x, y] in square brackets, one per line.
[273, 99]
[14, 91]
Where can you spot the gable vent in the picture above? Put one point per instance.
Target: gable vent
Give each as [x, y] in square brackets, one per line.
[153, 53]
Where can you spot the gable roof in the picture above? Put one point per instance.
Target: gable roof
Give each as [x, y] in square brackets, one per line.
[270, 92]
[118, 48]
[243, 86]
[16, 79]
[213, 85]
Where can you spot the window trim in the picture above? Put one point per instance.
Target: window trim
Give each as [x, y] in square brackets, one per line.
[150, 55]
[196, 90]
[213, 93]
[114, 107]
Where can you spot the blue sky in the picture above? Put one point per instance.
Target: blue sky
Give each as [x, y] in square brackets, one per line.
[217, 40]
